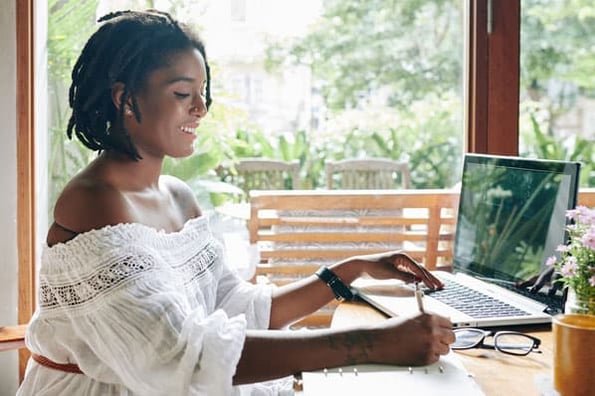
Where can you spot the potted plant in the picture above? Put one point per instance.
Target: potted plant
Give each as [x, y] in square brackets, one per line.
[576, 265]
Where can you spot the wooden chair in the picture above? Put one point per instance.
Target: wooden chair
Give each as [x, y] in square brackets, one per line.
[586, 197]
[367, 173]
[298, 231]
[267, 174]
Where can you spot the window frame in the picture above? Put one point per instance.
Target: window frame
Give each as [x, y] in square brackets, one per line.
[493, 77]
[25, 167]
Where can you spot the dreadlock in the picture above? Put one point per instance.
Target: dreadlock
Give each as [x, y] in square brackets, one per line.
[126, 48]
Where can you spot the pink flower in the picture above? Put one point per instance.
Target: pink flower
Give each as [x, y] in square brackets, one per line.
[588, 238]
[562, 248]
[572, 214]
[550, 261]
[569, 268]
[576, 264]
[585, 215]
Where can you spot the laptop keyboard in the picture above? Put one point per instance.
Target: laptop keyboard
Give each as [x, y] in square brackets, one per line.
[554, 305]
[473, 302]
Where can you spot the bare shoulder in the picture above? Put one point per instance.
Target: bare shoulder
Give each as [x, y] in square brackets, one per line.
[182, 194]
[86, 204]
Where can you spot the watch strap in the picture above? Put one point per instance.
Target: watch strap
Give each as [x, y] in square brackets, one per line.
[340, 289]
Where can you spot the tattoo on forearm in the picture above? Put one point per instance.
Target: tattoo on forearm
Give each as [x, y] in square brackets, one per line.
[356, 345]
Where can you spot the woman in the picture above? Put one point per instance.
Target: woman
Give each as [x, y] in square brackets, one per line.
[134, 295]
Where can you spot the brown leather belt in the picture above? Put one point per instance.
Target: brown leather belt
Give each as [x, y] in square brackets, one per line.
[66, 367]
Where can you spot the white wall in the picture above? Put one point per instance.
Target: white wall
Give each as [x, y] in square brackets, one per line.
[8, 176]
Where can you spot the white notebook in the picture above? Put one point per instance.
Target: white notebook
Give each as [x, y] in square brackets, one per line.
[445, 377]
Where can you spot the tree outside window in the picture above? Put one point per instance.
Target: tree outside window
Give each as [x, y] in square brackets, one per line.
[337, 79]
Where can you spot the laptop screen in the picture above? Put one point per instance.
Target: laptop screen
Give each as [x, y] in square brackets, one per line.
[512, 215]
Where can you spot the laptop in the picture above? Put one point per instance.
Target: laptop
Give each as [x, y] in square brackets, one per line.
[511, 218]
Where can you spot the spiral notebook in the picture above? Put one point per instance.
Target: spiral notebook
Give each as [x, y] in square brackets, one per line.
[445, 377]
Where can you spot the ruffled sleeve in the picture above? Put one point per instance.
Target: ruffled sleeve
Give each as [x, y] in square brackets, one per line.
[237, 296]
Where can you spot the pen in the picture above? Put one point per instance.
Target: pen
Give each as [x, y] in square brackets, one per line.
[418, 296]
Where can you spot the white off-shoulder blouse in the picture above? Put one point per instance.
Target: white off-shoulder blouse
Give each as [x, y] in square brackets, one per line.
[142, 312]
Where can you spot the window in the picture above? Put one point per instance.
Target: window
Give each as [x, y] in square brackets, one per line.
[238, 10]
[557, 95]
[486, 92]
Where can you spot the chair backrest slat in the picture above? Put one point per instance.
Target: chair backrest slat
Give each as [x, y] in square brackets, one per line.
[266, 174]
[367, 173]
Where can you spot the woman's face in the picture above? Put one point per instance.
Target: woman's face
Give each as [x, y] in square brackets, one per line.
[171, 104]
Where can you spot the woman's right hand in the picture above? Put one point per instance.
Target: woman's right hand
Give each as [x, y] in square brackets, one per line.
[417, 340]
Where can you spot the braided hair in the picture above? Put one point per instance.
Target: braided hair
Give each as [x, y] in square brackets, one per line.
[126, 48]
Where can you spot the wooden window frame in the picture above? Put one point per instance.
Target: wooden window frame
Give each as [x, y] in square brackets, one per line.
[492, 114]
[25, 166]
[494, 72]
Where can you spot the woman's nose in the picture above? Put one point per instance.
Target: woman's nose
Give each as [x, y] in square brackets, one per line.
[199, 109]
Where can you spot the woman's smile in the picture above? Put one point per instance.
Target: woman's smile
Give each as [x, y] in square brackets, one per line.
[189, 129]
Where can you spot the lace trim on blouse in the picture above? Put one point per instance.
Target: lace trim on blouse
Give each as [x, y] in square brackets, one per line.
[96, 263]
[114, 275]
[73, 254]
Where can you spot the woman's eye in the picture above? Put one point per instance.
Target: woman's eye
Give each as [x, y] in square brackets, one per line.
[181, 95]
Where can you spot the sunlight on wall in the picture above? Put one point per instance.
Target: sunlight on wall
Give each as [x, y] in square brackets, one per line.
[8, 241]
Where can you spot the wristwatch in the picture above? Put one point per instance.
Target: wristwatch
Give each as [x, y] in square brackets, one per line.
[341, 290]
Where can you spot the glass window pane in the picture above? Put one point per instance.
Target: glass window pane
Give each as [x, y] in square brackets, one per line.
[557, 97]
[308, 81]
[70, 23]
[346, 79]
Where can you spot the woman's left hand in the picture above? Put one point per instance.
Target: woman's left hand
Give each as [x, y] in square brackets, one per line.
[399, 265]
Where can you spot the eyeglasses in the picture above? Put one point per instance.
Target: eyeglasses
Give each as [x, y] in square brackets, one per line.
[510, 342]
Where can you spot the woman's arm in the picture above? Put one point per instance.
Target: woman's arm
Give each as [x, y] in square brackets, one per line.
[294, 301]
[404, 341]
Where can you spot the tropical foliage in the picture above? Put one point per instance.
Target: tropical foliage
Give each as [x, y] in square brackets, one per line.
[556, 76]
[408, 48]
[390, 76]
[69, 22]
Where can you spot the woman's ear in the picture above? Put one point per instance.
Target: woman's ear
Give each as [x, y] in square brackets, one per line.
[118, 92]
